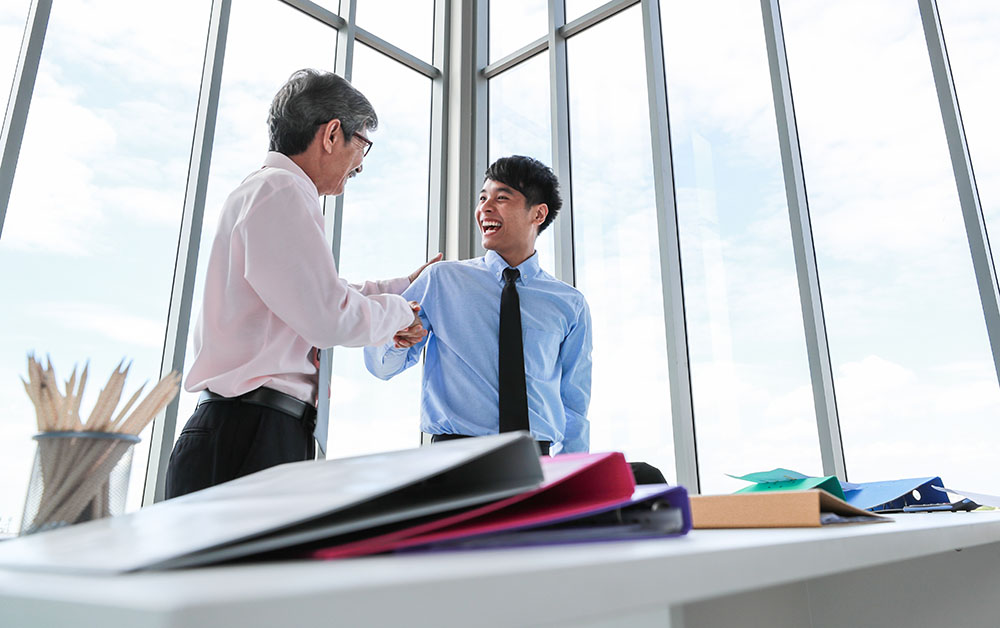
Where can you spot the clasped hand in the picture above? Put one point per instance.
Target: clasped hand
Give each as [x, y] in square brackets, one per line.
[406, 338]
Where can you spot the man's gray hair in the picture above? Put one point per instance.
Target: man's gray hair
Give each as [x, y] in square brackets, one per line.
[309, 99]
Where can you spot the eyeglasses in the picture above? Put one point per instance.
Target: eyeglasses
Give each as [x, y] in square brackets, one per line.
[368, 143]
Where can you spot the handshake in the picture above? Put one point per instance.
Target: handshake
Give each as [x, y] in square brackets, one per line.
[406, 338]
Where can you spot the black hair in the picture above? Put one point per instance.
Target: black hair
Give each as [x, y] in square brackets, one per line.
[533, 179]
[311, 98]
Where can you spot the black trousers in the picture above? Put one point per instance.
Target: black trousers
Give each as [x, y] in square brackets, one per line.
[224, 440]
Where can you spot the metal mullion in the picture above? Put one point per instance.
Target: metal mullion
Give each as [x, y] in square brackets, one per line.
[344, 66]
[188, 242]
[16, 117]
[596, 16]
[437, 188]
[437, 175]
[671, 276]
[475, 126]
[965, 177]
[516, 57]
[396, 53]
[814, 323]
[333, 222]
[559, 103]
[313, 10]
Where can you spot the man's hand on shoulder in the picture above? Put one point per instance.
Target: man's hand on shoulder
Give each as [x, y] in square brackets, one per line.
[437, 258]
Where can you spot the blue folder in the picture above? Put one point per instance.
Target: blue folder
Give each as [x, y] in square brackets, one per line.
[894, 494]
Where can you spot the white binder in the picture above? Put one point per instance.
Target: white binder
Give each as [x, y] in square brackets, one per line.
[288, 505]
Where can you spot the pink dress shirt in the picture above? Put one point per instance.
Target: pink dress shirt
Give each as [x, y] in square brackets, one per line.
[272, 292]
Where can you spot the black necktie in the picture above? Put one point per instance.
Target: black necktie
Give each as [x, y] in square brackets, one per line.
[513, 391]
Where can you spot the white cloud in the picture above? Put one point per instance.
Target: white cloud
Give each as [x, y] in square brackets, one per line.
[51, 204]
[514, 24]
[520, 120]
[900, 422]
[107, 320]
[12, 19]
[94, 142]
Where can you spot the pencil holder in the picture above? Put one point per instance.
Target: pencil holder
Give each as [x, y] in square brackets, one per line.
[77, 476]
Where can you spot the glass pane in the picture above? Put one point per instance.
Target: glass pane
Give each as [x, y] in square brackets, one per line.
[972, 30]
[916, 388]
[13, 16]
[545, 246]
[95, 209]
[520, 124]
[384, 236]
[251, 75]
[406, 24]
[617, 258]
[515, 24]
[749, 369]
[579, 8]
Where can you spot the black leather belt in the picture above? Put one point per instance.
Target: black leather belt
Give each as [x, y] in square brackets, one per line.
[543, 445]
[267, 398]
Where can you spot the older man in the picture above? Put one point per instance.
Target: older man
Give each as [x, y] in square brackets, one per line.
[273, 295]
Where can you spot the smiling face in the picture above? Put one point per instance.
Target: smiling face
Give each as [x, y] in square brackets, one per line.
[509, 226]
[332, 159]
[346, 156]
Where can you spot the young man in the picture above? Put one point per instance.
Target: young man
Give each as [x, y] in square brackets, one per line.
[508, 345]
[273, 295]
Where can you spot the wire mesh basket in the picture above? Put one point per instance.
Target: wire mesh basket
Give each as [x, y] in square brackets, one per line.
[77, 476]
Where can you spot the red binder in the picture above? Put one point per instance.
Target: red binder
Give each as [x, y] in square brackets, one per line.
[574, 485]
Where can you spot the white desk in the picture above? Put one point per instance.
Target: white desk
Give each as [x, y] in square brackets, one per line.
[933, 570]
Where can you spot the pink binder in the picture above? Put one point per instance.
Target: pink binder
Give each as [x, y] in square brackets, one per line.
[574, 485]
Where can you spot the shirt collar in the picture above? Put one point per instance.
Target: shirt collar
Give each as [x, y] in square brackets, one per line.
[529, 268]
[275, 159]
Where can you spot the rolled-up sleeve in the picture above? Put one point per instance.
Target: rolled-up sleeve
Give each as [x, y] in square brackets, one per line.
[299, 282]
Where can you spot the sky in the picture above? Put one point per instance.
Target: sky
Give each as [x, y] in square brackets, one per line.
[92, 225]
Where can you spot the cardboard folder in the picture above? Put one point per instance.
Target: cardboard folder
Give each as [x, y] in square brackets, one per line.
[777, 509]
[576, 487]
[289, 505]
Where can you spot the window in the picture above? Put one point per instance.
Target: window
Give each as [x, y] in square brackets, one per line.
[408, 25]
[579, 8]
[520, 124]
[617, 257]
[916, 389]
[384, 236]
[90, 234]
[12, 20]
[753, 402]
[972, 31]
[516, 23]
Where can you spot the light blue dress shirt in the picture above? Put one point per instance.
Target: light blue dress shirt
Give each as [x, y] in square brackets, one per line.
[460, 308]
